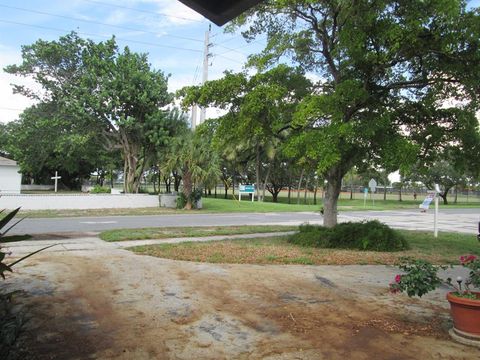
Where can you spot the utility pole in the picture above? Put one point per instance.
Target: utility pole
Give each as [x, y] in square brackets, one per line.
[193, 119]
[206, 57]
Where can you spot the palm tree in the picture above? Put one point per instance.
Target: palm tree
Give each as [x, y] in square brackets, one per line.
[197, 162]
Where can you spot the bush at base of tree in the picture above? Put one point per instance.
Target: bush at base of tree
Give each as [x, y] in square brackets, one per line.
[370, 235]
[195, 196]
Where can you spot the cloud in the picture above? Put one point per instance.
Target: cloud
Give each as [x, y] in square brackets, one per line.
[165, 13]
[117, 17]
[177, 13]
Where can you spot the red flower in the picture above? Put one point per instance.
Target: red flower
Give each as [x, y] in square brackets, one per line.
[398, 278]
[467, 258]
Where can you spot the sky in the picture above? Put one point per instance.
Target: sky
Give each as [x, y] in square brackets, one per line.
[171, 33]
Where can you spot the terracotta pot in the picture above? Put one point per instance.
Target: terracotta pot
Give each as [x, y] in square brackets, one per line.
[466, 316]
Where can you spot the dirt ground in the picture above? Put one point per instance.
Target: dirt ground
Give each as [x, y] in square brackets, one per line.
[113, 304]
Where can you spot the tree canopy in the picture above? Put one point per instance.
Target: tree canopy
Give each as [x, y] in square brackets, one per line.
[397, 79]
[259, 110]
[112, 92]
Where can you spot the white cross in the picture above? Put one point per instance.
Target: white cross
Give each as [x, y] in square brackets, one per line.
[56, 177]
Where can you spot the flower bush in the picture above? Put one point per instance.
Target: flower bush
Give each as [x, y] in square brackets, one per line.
[420, 277]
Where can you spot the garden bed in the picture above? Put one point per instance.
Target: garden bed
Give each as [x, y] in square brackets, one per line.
[277, 250]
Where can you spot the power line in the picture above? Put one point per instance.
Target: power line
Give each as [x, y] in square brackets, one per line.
[99, 35]
[227, 58]
[97, 22]
[233, 38]
[229, 49]
[195, 76]
[142, 11]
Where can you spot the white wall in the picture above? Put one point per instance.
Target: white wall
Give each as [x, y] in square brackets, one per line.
[80, 201]
[10, 180]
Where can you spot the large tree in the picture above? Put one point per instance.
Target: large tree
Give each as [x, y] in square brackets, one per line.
[193, 157]
[388, 71]
[44, 140]
[116, 92]
[259, 109]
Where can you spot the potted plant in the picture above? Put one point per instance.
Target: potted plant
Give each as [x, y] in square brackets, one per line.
[420, 277]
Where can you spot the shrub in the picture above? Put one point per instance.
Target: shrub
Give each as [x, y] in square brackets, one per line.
[181, 201]
[370, 235]
[419, 277]
[195, 196]
[97, 189]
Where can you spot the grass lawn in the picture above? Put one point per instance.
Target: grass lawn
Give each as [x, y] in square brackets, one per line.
[176, 232]
[446, 249]
[94, 212]
[212, 206]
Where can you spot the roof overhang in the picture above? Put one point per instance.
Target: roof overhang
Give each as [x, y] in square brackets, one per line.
[220, 11]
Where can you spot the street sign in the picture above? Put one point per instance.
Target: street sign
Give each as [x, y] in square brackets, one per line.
[372, 184]
[246, 189]
[428, 200]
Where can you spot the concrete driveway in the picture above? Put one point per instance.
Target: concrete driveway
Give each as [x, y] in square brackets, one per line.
[90, 299]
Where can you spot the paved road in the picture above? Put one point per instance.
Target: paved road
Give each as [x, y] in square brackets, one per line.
[461, 220]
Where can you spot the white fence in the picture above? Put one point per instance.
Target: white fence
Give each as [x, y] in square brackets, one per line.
[80, 201]
[38, 187]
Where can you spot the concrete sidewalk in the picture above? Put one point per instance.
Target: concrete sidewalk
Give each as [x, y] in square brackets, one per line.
[94, 243]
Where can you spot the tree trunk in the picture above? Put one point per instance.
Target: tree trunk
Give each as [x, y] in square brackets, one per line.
[315, 189]
[275, 196]
[168, 184]
[133, 166]
[125, 175]
[456, 194]
[351, 185]
[187, 188]
[257, 171]
[444, 197]
[334, 185]
[159, 180]
[400, 193]
[265, 183]
[299, 186]
[385, 191]
[176, 181]
[289, 193]
[306, 191]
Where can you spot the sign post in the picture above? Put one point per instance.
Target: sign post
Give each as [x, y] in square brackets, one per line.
[372, 184]
[435, 217]
[56, 178]
[432, 196]
[365, 194]
[246, 189]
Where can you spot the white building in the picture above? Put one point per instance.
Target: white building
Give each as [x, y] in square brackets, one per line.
[10, 177]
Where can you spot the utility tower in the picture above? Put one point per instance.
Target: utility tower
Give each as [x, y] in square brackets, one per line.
[206, 57]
